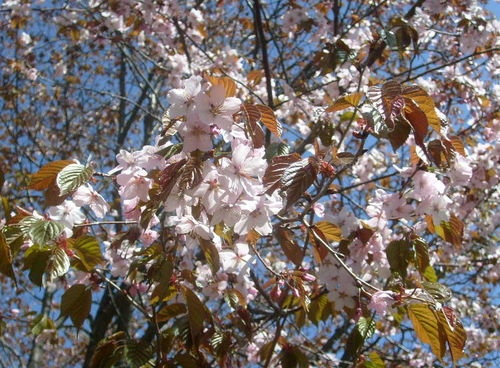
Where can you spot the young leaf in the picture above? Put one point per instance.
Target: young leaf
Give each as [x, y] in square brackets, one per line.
[451, 231]
[427, 328]
[6, 258]
[455, 332]
[46, 176]
[76, 303]
[297, 178]
[72, 177]
[422, 260]
[330, 231]
[161, 272]
[255, 131]
[418, 121]
[425, 103]
[192, 171]
[291, 249]
[350, 100]
[399, 133]
[293, 357]
[276, 169]
[269, 120]
[252, 113]
[228, 84]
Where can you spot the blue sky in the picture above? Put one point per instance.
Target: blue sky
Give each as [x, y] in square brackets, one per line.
[494, 6]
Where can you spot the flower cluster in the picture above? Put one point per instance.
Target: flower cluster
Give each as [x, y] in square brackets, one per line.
[229, 196]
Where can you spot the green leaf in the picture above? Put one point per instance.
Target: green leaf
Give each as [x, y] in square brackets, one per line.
[40, 230]
[88, 253]
[72, 177]
[430, 274]
[293, 357]
[170, 311]
[330, 231]
[211, 254]
[137, 353]
[41, 323]
[197, 315]
[76, 303]
[161, 272]
[6, 258]
[109, 351]
[58, 264]
[438, 291]
[14, 238]
[36, 259]
[317, 308]
[399, 255]
[373, 361]
[277, 149]
[170, 151]
[427, 328]
[366, 327]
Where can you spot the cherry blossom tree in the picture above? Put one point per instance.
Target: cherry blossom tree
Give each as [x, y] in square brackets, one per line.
[249, 183]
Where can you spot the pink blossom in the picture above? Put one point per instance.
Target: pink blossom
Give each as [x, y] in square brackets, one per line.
[436, 206]
[233, 260]
[246, 165]
[188, 224]
[148, 237]
[381, 301]
[182, 99]
[426, 184]
[196, 135]
[67, 213]
[319, 209]
[460, 172]
[138, 186]
[214, 108]
[86, 195]
[128, 164]
[259, 214]
[214, 190]
[226, 213]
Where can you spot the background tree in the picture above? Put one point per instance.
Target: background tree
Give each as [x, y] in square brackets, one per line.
[285, 182]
